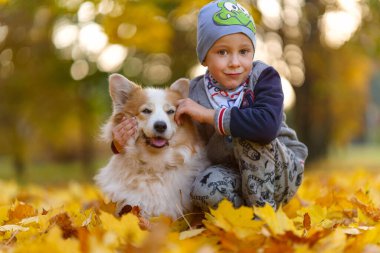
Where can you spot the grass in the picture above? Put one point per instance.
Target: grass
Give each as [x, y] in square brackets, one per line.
[50, 173]
[351, 157]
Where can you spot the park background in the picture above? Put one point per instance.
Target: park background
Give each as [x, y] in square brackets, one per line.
[55, 57]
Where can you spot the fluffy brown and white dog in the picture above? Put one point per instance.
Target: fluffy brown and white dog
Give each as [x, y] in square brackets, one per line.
[160, 163]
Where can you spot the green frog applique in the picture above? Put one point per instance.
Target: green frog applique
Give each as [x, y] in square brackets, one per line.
[232, 13]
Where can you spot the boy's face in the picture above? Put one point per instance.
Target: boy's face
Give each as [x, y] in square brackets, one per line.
[229, 60]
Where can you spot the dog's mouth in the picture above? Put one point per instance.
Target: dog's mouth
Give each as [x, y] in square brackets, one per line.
[156, 142]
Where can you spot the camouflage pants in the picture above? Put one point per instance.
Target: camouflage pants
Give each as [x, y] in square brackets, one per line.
[265, 174]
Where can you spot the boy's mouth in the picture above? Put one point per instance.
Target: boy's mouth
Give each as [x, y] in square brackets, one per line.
[233, 73]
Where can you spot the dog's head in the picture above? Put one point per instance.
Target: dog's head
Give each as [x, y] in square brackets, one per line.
[153, 108]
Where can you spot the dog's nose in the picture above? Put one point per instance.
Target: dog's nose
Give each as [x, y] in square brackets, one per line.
[160, 126]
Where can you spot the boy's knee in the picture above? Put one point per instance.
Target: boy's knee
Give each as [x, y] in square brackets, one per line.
[253, 151]
[215, 184]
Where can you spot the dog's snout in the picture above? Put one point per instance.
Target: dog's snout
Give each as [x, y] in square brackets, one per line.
[160, 126]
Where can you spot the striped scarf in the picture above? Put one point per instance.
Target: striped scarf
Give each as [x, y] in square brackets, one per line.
[223, 98]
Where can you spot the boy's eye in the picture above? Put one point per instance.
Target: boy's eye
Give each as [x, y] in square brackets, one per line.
[146, 111]
[244, 51]
[222, 52]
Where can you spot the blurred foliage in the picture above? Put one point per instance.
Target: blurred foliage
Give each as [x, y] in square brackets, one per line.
[46, 115]
[332, 103]
[150, 24]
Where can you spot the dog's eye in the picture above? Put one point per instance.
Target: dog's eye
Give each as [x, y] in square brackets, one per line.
[146, 111]
[171, 111]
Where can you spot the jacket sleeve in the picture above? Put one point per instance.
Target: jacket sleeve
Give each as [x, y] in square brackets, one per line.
[262, 120]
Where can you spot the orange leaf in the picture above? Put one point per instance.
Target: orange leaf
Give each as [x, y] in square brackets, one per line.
[306, 221]
[64, 222]
[21, 211]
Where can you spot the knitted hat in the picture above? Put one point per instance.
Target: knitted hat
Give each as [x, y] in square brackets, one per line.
[220, 18]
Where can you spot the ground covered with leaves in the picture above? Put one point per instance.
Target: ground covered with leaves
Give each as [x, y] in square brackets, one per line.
[332, 212]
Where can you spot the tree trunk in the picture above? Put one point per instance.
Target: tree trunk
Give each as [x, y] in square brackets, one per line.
[312, 116]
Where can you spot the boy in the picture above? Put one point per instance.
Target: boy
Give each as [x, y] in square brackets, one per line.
[238, 108]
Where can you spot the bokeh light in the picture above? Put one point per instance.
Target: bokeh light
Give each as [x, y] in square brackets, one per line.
[112, 58]
[271, 11]
[338, 26]
[133, 66]
[79, 69]
[64, 34]
[289, 94]
[3, 32]
[92, 38]
[86, 12]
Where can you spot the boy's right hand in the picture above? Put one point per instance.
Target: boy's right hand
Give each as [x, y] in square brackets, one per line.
[123, 131]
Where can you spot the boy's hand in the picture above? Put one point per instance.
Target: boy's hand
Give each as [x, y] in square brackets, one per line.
[122, 132]
[196, 111]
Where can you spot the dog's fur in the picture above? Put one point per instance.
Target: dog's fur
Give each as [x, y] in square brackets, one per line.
[160, 163]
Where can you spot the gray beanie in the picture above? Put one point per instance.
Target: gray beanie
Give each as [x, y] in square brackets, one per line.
[220, 18]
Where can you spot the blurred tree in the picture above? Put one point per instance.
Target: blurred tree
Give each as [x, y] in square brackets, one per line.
[332, 101]
[26, 65]
[41, 106]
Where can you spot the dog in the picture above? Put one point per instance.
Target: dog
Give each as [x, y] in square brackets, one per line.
[161, 161]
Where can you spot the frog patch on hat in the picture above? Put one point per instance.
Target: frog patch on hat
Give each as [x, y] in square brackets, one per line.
[232, 13]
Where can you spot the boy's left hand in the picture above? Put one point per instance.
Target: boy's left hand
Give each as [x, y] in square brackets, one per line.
[196, 111]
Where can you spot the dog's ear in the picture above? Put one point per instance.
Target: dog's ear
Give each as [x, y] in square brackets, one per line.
[182, 86]
[120, 89]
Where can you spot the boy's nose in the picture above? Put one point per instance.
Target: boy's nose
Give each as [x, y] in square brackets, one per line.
[234, 61]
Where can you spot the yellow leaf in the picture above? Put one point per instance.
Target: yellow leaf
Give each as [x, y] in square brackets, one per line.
[277, 222]
[236, 220]
[48, 243]
[12, 228]
[333, 243]
[126, 228]
[29, 220]
[190, 233]
[4, 210]
[318, 216]
[8, 189]
[302, 249]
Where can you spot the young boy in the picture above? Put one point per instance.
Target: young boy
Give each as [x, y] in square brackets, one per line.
[238, 108]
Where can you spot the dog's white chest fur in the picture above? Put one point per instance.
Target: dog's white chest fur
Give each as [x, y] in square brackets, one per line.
[156, 187]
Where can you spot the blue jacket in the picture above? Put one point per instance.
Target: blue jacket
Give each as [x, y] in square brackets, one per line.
[260, 117]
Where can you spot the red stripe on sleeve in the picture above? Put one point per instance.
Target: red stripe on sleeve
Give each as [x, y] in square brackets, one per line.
[220, 121]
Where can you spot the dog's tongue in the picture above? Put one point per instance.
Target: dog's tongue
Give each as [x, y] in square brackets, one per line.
[158, 142]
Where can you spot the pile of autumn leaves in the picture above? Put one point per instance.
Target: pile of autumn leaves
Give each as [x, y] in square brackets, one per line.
[334, 212]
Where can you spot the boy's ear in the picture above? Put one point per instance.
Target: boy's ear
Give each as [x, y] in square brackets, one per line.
[120, 89]
[182, 86]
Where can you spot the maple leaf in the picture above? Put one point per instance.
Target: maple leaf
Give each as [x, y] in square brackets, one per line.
[4, 211]
[9, 190]
[63, 220]
[126, 228]
[330, 213]
[333, 243]
[21, 210]
[277, 222]
[306, 221]
[366, 205]
[52, 241]
[239, 221]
